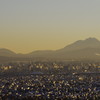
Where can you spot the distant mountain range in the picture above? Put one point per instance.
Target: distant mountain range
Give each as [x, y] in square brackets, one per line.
[82, 49]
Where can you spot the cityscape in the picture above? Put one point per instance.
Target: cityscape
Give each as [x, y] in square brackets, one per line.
[50, 80]
[49, 50]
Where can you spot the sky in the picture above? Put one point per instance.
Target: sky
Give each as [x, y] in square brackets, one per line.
[29, 25]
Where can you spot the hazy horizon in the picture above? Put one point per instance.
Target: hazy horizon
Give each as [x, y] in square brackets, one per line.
[89, 39]
[29, 25]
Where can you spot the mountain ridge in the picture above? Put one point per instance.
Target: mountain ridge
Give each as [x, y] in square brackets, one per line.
[87, 48]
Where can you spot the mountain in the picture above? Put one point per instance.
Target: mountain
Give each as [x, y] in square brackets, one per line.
[87, 49]
[81, 44]
[7, 53]
[81, 49]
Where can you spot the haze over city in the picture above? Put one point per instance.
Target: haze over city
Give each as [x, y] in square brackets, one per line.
[29, 25]
[49, 49]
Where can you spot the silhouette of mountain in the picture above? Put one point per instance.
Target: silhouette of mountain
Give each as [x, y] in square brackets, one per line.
[81, 49]
[41, 53]
[6, 52]
[81, 44]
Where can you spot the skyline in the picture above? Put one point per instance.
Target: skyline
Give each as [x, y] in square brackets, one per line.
[88, 40]
[31, 25]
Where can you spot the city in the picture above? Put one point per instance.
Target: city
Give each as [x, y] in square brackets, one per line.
[50, 80]
[49, 49]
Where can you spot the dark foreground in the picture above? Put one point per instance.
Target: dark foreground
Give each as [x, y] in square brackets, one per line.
[50, 87]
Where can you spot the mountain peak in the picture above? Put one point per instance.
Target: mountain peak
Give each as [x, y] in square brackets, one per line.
[81, 44]
[92, 40]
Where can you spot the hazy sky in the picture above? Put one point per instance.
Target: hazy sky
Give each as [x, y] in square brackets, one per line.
[28, 25]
